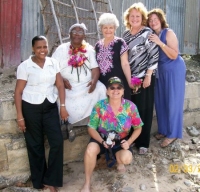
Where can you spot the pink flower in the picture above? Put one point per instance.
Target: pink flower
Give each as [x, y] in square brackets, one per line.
[136, 81]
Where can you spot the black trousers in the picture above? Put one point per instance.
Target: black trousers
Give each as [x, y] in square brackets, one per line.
[145, 103]
[43, 119]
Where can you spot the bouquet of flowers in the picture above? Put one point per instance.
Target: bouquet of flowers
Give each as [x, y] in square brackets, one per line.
[77, 58]
[136, 82]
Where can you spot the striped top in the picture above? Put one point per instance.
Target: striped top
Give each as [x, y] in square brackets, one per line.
[143, 54]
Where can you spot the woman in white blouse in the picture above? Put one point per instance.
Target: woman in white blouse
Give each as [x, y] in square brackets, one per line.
[80, 71]
[37, 114]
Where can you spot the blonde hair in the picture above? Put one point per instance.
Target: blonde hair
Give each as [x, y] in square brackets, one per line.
[161, 16]
[139, 7]
[108, 19]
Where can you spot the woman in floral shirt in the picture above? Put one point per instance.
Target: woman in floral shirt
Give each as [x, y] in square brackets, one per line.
[112, 114]
[112, 53]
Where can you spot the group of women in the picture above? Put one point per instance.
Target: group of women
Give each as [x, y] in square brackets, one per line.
[97, 83]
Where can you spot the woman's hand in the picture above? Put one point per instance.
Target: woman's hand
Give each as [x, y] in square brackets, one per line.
[67, 84]
[92, 86]
[125, 144]
[147, 81]
[63, 113]
[154, 38]
[105, 144]
[21, 125]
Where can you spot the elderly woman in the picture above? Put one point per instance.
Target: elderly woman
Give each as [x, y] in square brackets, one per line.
[112, 53]
[143, 58]
[170, 84]
[79, 69]
[37, 114]
[112, 114]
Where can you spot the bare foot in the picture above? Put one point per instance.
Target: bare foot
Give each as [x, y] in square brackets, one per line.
[86, 188]
[121, 168]
[51, 188]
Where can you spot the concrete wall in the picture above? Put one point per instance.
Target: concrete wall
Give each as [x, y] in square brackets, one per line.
[13, 155]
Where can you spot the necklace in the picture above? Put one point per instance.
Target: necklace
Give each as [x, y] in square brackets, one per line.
[134, 33]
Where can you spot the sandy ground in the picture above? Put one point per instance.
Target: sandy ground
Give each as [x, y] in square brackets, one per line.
[175, 168]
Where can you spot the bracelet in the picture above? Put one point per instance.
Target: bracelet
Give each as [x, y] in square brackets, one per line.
[62, 105]
[20, 119]
[163, 45]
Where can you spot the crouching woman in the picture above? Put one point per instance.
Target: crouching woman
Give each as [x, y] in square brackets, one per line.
[117, 115]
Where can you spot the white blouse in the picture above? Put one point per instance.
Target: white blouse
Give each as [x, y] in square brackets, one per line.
[40, 81]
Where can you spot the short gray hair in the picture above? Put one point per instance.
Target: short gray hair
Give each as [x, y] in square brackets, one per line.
[108, 19]
[81, 25]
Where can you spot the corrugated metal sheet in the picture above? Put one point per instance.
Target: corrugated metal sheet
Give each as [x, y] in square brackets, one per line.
[32, 25]
[191, 38]
[182, 16]
[10, 32]
[175, 11]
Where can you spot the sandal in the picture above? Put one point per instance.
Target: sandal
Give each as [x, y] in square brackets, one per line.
[71, 132]
[142, 150]
[159, 136]
[167, 141]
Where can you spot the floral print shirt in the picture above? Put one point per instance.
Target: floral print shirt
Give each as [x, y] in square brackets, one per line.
[105, 55]
[103, 119]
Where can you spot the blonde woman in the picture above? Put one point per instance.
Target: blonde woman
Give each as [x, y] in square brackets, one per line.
[143, 58]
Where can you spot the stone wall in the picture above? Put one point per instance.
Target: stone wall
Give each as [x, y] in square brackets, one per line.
[13, 155]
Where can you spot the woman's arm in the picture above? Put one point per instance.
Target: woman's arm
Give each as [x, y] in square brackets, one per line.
[126, 67]
[20, 84]
[95, 135]
[171, 48]
[95, 77]
[134, 135]
[61, 91]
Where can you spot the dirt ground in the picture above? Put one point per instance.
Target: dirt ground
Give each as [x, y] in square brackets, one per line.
[175, 168]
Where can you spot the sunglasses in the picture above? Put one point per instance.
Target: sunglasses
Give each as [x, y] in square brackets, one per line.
[74, 32]
[114, 88]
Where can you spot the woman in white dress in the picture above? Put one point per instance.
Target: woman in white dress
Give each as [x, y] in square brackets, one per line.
[80, 72]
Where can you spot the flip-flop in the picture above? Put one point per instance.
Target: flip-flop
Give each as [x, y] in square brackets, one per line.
[142, 150]
[167, 141]
[159, 136]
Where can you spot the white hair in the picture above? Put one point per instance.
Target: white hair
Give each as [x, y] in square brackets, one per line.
[108, 19]
[81, 25]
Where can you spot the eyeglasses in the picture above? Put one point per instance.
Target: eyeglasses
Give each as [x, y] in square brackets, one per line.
[74, 32]
[153, 20]
[114, 88]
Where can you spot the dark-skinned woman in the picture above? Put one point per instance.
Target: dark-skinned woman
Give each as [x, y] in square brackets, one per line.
[80, 72]
[37, 114]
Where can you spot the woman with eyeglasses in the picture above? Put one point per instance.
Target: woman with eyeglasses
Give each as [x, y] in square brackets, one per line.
[170, 81]
[112, 53]
[80, 71]
[114, 115]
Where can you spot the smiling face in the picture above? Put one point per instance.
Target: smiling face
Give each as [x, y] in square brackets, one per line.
[154, 22]
[108, 31]
[77, 35]
[40, 48]
[135, 18]
[115, 91]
